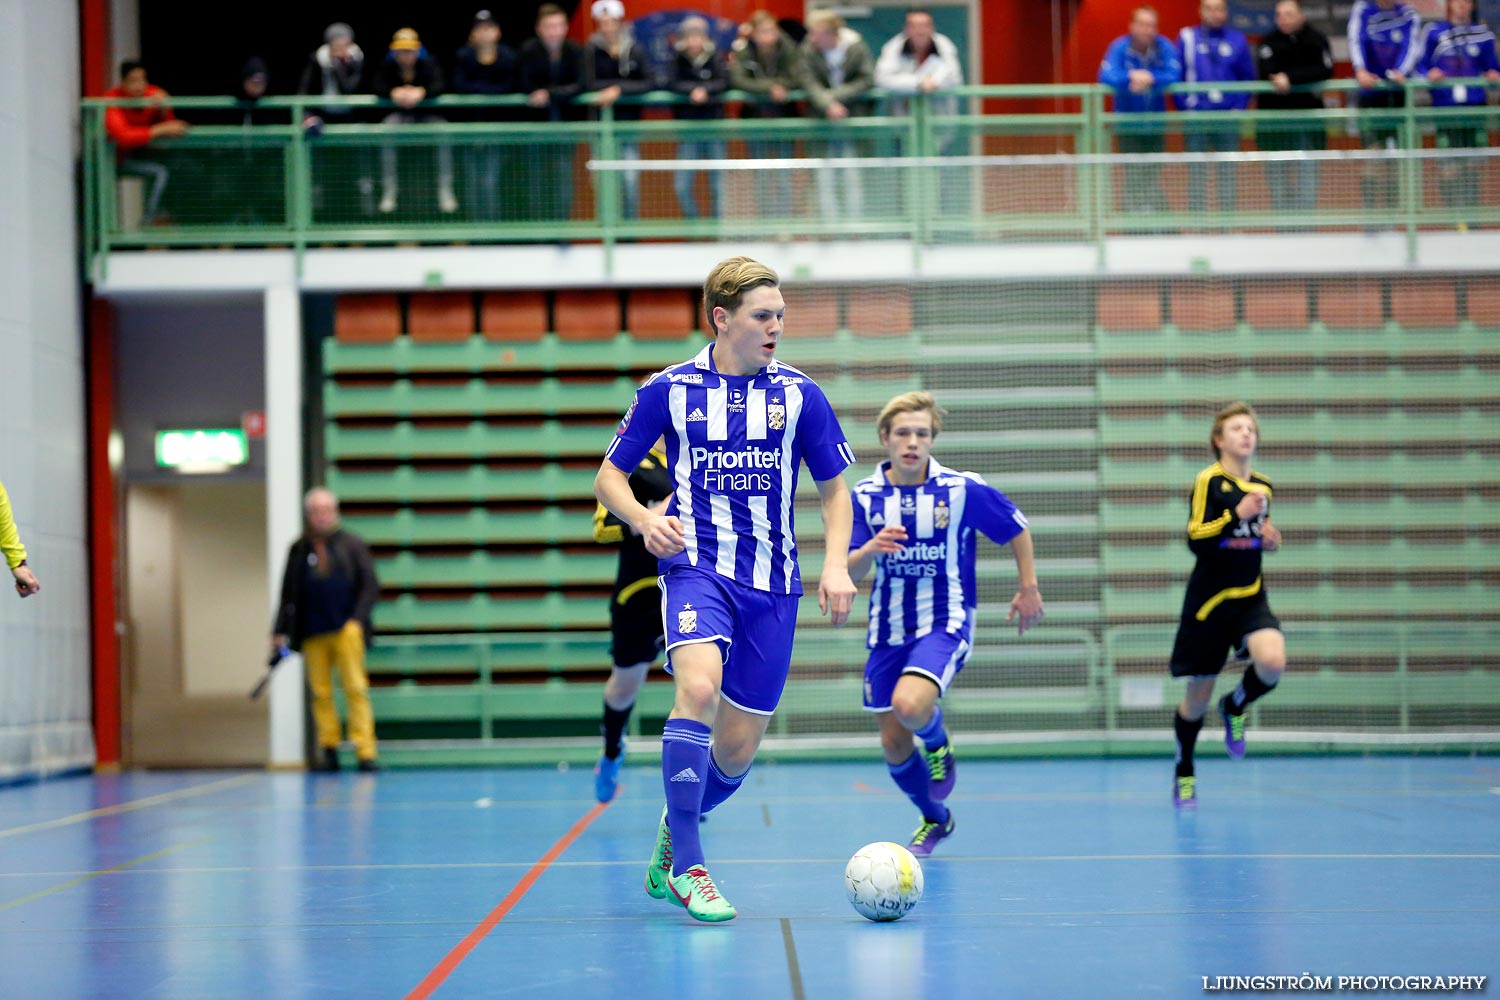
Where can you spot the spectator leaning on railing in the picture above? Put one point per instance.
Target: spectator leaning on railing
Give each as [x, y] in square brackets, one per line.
[336, 69]
[919, 61]
[1139, 66]
[838, 71]
[615, 66]
[1384, 46]
[1213, 52]
[700, 76]
[922, 61]
[1295, 54]
[769, 67]
[134, 130]
[1460, 47]
[408, 77]
[551, 75]
[485, 66]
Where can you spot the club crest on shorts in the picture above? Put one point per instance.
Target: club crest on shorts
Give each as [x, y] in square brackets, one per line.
[776, 415]
[687, 619]
[940, 515]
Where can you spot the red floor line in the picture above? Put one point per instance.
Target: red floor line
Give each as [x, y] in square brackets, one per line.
[444, 969]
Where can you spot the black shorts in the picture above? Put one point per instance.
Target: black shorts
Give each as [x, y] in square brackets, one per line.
[635, 628]
[1202, 647]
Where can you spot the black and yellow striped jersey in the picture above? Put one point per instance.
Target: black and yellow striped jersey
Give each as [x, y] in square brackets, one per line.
[650, 482]
[1228, 548]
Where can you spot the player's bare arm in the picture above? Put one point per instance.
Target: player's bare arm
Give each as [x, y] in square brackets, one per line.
[1026, 607]
[662, 534]
[835, 588]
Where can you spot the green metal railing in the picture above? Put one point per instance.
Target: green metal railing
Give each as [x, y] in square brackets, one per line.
[996, 168]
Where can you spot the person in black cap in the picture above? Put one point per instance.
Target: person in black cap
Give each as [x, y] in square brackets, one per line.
[485, 66]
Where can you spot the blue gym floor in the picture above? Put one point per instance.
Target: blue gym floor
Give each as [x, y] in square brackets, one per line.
[1069, 878]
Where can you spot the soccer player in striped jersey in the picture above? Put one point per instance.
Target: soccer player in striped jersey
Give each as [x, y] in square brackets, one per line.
[737, 423]
[1225, 607]
[915, 521]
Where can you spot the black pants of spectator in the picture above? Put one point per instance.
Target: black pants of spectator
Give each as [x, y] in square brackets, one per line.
[1207, 139]
[1458, 179]
[1143, 191]
[1378, 182]
[1293, 183]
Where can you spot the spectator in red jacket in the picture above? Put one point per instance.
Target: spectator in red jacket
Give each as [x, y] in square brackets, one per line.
[133, 130]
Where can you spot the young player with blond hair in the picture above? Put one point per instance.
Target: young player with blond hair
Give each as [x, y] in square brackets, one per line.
[915, 520]
[738, 423]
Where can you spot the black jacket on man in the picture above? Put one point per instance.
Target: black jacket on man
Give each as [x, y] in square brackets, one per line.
[1304, 57]
[426, 73]
[629, 72]
[349, 555]
[707, 71]
[563, 79]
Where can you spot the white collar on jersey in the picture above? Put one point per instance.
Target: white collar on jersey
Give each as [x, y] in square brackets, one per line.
[705, 361]
[934, 470]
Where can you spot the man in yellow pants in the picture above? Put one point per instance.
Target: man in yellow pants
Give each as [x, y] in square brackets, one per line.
[327, 595]
[14, 551]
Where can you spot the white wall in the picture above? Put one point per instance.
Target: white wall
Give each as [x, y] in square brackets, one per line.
[44, 649]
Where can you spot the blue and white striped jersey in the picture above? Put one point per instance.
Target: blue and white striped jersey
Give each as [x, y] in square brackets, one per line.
[1458, 50]
[734, 447]
[1384, 40]
[929, 585]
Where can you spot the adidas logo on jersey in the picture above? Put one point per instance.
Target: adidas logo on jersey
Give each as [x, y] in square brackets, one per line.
[686, 774]
[697, 415]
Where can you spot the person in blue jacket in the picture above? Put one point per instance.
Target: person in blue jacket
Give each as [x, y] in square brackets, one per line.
[1139, 66]
[1384, 46]
[1213, 52]
[1460, 47]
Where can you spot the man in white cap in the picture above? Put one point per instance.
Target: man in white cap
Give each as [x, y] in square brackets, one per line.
[615, 66]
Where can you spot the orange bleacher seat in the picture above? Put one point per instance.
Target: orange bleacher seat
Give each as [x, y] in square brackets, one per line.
[659, 313]
[1350, 304]
[586, 314]
[513, 315]
[811, 312]
[1276, 305]
[440, 316]
[877, 311]
[1425, 304]
[1484, 302]
[1203, 305]
[1129, 306]
[367, 319]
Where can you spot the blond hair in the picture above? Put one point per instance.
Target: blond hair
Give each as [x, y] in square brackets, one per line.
[1235, 409]
[728, 282]
[910, 402]
[761, 18]
[825, 20]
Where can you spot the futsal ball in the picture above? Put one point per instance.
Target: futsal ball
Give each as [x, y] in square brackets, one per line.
[883, 881]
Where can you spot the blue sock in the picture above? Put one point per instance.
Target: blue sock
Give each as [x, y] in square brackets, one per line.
[684, 764]
[911, 777]
[932, 735]
[719, 786]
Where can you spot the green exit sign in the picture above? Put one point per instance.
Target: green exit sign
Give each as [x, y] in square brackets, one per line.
[212, 449]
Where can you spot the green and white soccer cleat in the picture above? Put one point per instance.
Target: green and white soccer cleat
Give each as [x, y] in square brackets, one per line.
[694, 891]
[659, 871]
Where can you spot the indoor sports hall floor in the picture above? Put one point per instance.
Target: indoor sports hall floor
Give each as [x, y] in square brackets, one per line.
[1068, 878]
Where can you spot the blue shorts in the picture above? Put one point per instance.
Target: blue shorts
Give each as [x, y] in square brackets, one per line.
[938, 656]
[752, 628]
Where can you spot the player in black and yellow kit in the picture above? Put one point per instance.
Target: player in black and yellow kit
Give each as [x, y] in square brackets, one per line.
[635, 620]
[1229, 527]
